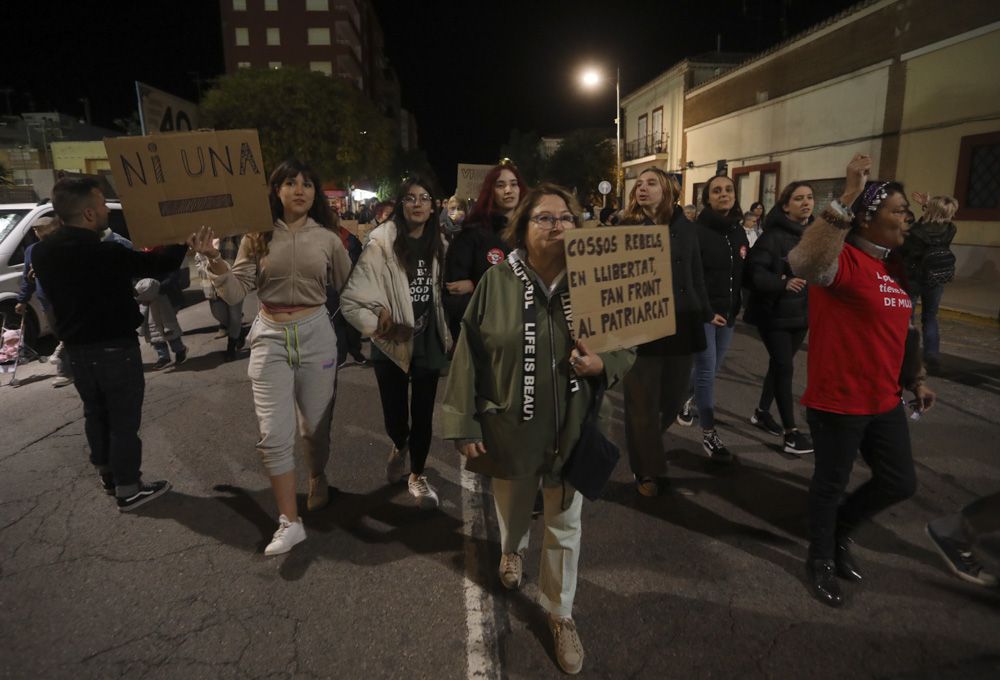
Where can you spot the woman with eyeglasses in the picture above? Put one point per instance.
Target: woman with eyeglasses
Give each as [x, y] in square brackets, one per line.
[657, 385]
[293, 348]
[862, 354]
[515, 401]
[479, 245]
[394, 296]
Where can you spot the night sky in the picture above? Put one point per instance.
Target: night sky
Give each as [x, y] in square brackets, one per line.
[470, 71]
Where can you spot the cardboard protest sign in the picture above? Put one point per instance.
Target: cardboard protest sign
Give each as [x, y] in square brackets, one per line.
[470, 179]
[172, 184]
[359, 230]
[620, 285]
[160, 111]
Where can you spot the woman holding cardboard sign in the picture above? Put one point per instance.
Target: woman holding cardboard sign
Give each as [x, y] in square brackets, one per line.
[515, 407]
[293, 348]
[656, 387]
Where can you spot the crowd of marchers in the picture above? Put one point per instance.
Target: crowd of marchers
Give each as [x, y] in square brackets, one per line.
[477, 297]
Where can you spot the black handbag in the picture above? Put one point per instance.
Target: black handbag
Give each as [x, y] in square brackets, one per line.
[594, 457]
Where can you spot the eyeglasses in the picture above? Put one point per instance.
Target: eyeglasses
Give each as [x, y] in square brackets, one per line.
[410, 199]
[549, 222]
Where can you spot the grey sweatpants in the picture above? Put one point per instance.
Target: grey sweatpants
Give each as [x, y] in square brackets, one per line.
[293, 372]
[160, 324]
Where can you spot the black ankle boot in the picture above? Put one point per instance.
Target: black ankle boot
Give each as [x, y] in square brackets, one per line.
[823, 582]
[230, 349]
[847, 568]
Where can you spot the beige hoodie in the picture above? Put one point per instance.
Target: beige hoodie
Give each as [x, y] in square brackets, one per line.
[295, 272]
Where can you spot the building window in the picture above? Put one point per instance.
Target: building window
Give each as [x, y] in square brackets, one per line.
[243, 64]
[274, 64]
[318, 36]
[317, 5]
[270, 5]
[242, 37]
[324, 67]
[977, 185]
[757, 183]
[274, 36]
[656, 134]
[239, 5]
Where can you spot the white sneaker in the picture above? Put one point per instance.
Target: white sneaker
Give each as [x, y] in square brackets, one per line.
[511, 570]
[62, 381]
[288, 535]
[423, 493]
[395, 467]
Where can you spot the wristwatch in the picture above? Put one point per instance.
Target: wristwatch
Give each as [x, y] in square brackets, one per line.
[838, 215]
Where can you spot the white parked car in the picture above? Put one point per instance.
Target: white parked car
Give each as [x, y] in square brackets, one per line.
[16, 234]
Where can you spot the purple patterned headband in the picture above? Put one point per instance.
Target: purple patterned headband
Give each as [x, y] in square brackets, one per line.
[873, 196]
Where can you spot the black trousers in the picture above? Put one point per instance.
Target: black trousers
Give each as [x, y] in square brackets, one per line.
[408, 408]
[884, 443]
[348, 338]
[110, 382]
[781, 345]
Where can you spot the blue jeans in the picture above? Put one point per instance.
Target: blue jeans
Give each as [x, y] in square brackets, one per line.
[930, 300]
[706, 364]
[108, 377]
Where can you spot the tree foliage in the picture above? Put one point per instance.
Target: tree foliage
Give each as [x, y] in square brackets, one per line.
[584, 158]
[524, 148]
[300, 114]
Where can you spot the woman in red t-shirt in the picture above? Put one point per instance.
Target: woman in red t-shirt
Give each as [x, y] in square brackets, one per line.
[860, 358]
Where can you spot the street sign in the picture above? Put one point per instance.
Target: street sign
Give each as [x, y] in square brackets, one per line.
[163, 112]
[604, 187]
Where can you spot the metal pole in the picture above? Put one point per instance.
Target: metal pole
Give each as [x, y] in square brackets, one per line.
[618, 136]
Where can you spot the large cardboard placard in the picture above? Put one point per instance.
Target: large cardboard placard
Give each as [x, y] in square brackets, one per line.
[171, 184]
[470, 179]
[620, 285]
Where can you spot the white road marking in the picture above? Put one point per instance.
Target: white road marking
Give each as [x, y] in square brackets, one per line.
[481, 643]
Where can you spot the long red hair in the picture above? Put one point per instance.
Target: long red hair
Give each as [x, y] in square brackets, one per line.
[481, 211]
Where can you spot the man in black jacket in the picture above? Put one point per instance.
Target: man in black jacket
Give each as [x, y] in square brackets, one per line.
[89, 284]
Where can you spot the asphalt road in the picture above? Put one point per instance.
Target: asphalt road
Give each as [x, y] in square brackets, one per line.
[705, 581]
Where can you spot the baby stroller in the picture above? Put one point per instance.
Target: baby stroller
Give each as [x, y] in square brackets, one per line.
[14, 351]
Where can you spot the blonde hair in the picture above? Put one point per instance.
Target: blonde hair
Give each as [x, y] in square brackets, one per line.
[634, 213]
[940, 209]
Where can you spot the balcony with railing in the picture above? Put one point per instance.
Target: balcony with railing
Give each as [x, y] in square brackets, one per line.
[350, 8]
[653, 144]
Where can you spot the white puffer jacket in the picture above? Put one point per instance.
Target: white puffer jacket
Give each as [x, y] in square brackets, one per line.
[379, 282]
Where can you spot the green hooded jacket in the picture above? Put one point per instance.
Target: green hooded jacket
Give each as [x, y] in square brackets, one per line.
[483, 396]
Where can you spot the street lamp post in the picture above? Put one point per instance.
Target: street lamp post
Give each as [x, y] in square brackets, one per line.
[591, 78]
[618, 136]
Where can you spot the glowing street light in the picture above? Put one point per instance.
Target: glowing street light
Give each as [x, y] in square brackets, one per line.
[590, 78]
